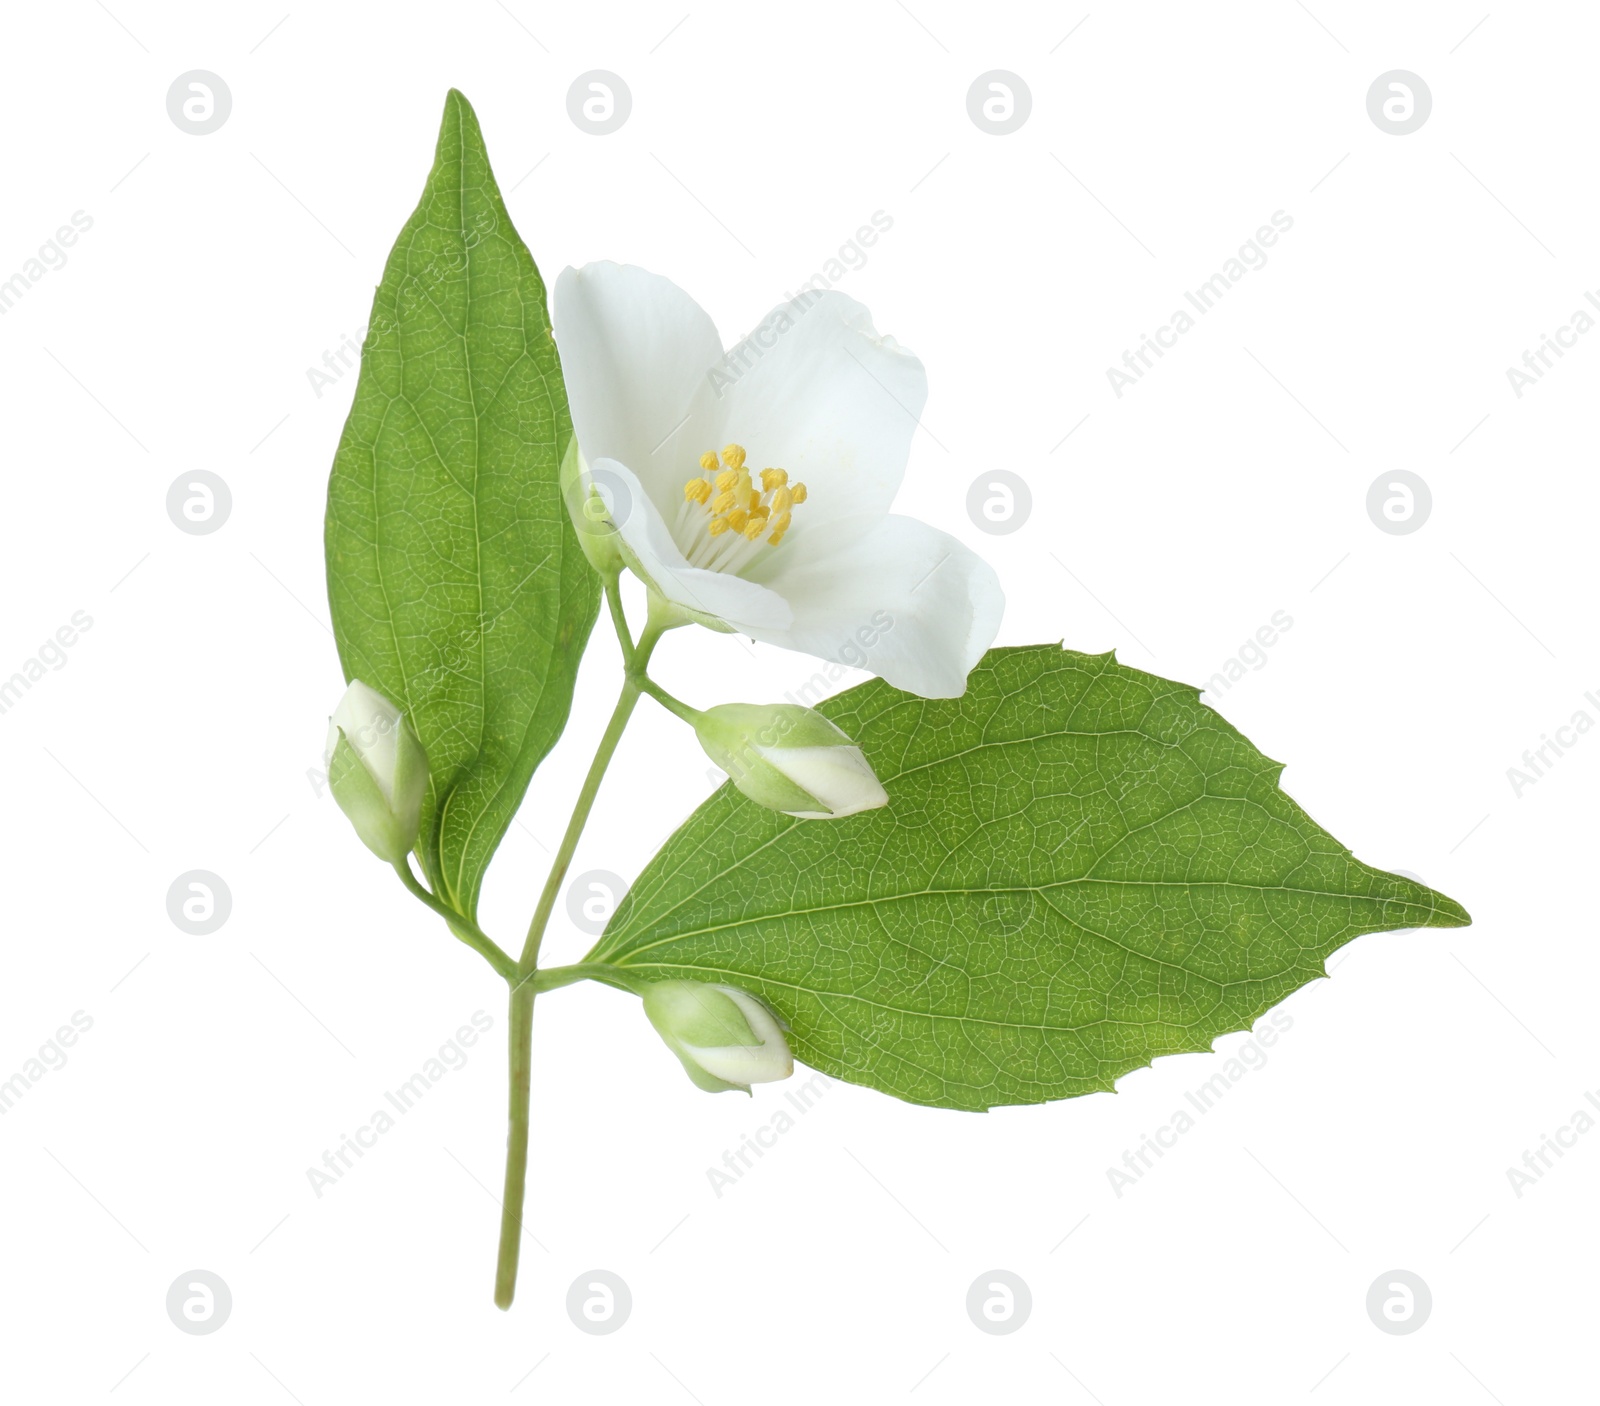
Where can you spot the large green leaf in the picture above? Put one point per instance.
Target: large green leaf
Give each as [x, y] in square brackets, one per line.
[1081, 867]
[455, 579]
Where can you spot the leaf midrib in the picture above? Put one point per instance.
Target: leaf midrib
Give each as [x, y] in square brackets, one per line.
[911, 1011]
[890, 780]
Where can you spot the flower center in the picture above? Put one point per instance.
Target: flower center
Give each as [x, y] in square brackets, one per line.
[725, 518]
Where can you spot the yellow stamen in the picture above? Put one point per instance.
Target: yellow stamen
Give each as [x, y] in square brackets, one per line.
[738, 499]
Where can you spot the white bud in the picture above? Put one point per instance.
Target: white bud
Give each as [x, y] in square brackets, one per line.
[377, 771]
[790, 758]
[725, 1037]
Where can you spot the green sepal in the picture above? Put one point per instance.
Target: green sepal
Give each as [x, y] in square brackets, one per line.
[362, 801]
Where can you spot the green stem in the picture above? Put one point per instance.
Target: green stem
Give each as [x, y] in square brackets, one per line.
[505, 1274]
[552, 978]
[526, 977]
[626, 702]
[468, 931]
[619, 618]
[676, 706]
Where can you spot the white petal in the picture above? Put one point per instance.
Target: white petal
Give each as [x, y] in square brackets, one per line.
[371, 723]
[749, 1064]
[820, 394]
[743, 604]
[635, 350]
[744, 1064]
[840, 777]
[764, 1025]
[901, 600]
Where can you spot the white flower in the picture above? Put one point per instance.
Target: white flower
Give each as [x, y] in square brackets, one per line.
[377, 771]
[751, 489]
[790, 758]
[725, 1037]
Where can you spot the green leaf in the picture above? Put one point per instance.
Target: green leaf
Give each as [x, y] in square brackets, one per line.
[1081, 867]
[454, 577]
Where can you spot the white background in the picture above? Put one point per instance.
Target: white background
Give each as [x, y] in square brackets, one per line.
[1230, 483]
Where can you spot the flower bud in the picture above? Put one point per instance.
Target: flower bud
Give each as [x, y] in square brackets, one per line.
[591, 519]
[726, 1038]
[377, 771]
[790, 758]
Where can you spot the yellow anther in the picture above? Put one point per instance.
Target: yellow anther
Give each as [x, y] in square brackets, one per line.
[755, 504]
